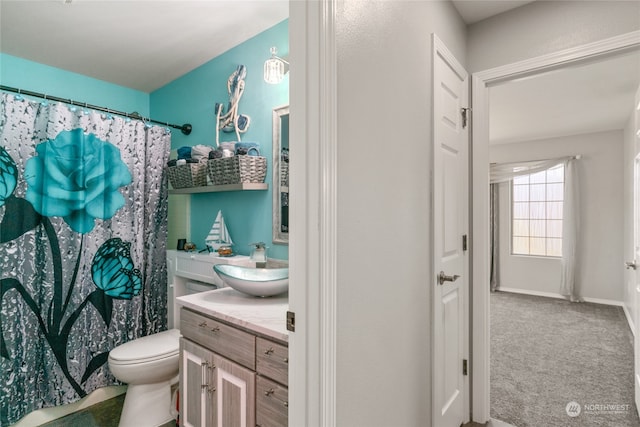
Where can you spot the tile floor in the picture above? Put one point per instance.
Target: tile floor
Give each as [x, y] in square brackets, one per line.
[107, 414]
[103, 414]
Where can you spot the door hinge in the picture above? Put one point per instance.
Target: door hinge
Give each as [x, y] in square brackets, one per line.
[464, 242]
[466, 113]
[465, 369]
[291, 321]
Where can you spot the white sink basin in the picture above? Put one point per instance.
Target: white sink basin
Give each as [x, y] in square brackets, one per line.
[259, 282]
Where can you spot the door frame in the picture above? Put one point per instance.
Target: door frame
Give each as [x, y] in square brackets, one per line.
[313, 238]
[480, 84]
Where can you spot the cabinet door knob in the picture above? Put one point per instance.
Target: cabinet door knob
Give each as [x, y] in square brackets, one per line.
[286, 404]
[269, 392]
[203, 324]
[269, 351]
[286, 360]
[215, 329]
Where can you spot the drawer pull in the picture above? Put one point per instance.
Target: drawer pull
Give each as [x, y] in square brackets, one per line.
[269, 351]
[216, 329]
[203, 324]
[211, 390]
[270, 393]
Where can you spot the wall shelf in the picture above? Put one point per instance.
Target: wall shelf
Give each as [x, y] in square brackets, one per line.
[217, 188]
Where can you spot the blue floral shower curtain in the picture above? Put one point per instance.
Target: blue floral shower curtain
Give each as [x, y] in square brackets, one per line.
[83, 224]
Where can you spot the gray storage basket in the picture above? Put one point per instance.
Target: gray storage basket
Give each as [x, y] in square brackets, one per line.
[237, 170]
[189, 175]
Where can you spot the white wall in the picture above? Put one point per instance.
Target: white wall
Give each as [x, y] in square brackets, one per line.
[384, 137]
[601, 210]
[544, 27]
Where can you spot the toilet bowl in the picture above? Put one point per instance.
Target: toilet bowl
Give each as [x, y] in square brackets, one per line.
[149, 365]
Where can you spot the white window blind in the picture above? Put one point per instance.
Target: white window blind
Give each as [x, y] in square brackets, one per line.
[537, 202]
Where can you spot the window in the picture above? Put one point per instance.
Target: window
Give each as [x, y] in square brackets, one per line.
[537, 213]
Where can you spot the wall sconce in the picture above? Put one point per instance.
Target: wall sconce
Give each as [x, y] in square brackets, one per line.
[275, 68]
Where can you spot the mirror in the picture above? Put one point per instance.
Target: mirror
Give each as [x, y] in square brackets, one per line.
[280, 173]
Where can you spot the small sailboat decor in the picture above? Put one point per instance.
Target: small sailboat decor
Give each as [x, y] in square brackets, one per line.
[219, 234]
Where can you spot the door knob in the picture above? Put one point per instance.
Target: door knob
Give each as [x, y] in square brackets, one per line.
[444, 278]
[630, 265]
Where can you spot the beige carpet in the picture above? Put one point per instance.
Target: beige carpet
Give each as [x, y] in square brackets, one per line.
[547, 353]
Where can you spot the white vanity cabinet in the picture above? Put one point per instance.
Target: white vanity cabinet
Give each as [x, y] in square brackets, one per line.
[231, 374]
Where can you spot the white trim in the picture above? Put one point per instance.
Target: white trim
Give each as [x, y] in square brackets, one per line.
[561, 58]
[603, 301]
[328, 213]
[559, 296]
[627, 314]
[480, 337]
[480, 164]
[313, 215]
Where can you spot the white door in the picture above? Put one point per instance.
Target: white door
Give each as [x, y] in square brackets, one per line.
[635, 263]
[450, 225]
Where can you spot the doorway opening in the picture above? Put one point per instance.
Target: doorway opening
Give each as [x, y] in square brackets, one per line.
[483, 84]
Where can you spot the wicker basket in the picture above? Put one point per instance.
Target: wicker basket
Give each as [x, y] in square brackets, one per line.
[189, 175]
[237, 170]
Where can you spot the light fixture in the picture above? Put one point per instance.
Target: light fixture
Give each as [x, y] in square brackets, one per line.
[275, 68]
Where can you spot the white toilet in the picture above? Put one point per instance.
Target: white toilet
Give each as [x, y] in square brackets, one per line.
[149, 365]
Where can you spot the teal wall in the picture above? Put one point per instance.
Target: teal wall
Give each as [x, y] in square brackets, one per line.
[23, 74]
[191, 99]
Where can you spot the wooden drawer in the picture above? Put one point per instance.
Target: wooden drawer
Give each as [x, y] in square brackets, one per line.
[272, 403]
[272, 360]
[225, 340]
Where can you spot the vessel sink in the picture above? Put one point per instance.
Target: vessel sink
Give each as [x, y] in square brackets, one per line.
[259, 282]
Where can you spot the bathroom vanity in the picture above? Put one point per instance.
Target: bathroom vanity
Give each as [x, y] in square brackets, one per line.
[233, 360]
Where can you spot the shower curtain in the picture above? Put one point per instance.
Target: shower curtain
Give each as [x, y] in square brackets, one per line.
[83, 224]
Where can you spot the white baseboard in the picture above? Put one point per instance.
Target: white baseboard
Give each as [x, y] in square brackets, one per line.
[586, 299]
[558, 296]
[42, 416]
[629, 319]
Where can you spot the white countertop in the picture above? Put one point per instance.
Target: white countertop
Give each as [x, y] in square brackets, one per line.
[267, 316]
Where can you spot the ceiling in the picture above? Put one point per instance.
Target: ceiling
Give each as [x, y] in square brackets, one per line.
[141, 44]
[145, 44]
[473, 11]
[592, 97]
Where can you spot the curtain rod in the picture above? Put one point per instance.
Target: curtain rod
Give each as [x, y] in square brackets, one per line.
[576, 157]
[185, 128]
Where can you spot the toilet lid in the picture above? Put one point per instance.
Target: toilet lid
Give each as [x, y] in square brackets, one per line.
[152, 347]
